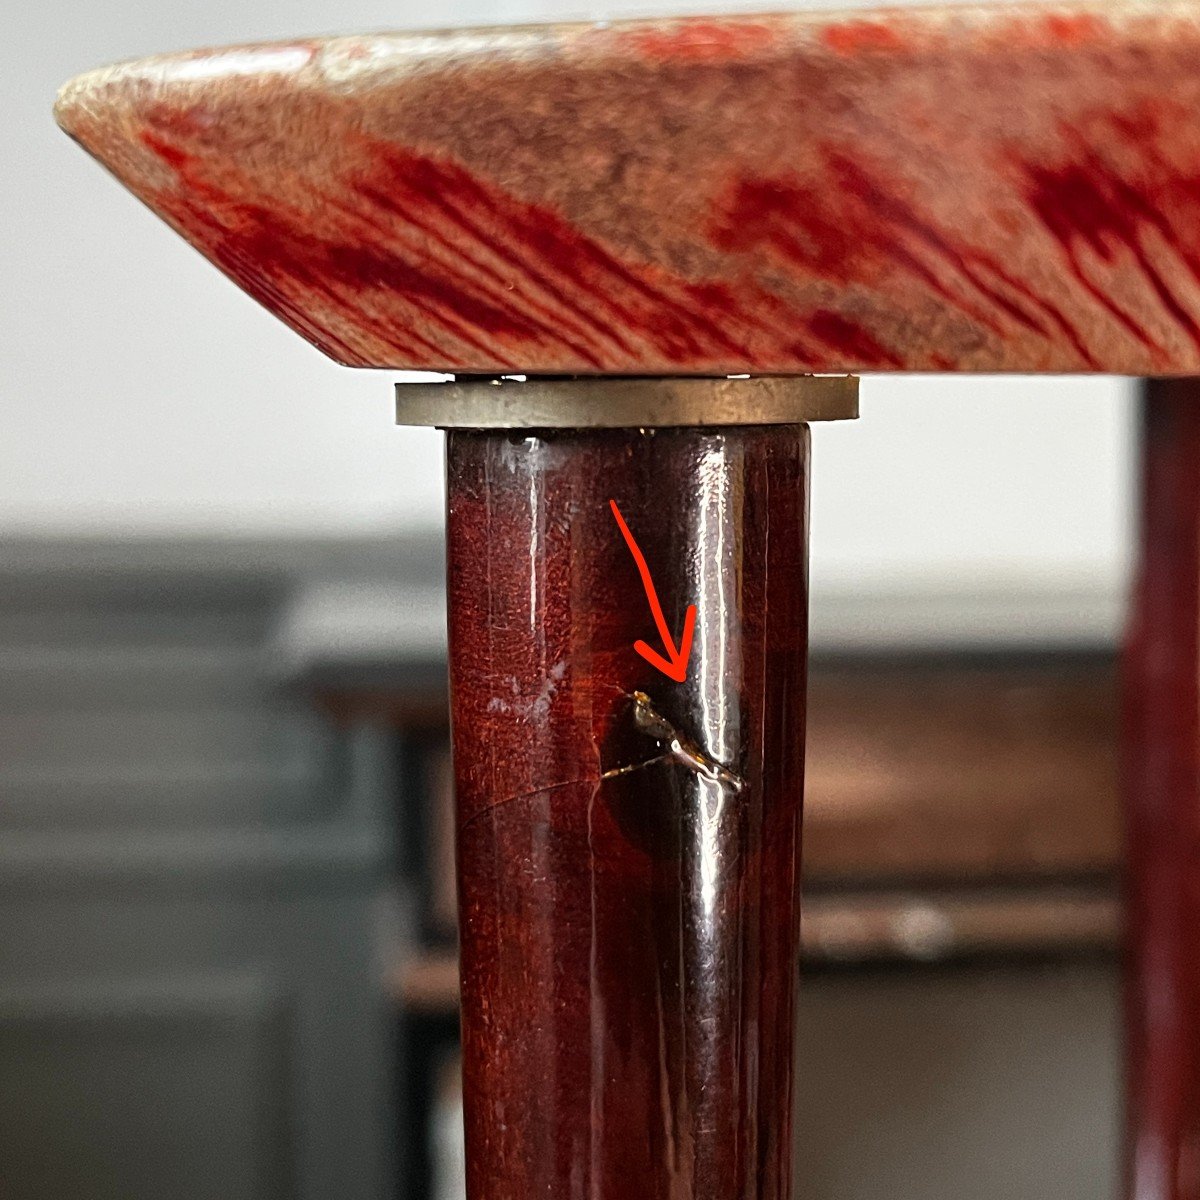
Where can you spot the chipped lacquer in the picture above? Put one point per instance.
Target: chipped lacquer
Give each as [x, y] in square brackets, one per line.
[628, 845]
[971, 189]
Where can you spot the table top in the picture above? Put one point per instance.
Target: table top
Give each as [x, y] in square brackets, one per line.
[1009, 188]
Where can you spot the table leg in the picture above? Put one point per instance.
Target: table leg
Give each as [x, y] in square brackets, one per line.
[628, 845]
[1162, 807]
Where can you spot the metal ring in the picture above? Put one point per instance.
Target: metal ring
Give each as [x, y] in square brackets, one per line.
[620, 402]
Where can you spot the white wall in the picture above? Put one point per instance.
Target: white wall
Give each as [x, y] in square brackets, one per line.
[140, 391]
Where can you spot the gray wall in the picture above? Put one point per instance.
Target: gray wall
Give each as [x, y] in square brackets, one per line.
[987, 1083]
[191, 864]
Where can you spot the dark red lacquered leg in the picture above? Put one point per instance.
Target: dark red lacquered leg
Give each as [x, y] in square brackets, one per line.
[628, 845]
[1162, 798]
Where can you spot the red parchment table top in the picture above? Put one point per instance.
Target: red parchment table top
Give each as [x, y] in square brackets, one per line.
[945, 189]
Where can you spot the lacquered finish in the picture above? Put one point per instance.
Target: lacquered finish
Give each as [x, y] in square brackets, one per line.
[1009, 188]
[628, 846]
[1162, 807]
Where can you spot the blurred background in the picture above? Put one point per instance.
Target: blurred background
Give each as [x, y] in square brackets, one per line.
[226, 906]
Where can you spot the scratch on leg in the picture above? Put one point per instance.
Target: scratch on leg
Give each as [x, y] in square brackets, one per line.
[679, 748]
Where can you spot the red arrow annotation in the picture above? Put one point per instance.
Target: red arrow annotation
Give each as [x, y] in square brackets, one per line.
[675, 664]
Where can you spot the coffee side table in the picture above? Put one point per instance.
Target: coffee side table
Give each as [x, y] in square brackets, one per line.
[649, 254]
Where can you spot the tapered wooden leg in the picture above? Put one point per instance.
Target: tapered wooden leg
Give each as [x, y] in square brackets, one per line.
[1162, 804]
[628, 845]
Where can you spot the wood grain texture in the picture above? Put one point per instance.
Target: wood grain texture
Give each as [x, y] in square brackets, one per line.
[629, 897]
[955, 189]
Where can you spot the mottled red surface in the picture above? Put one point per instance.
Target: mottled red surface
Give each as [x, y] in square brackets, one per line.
[988, 189]
[1162, 807]
[629, 919]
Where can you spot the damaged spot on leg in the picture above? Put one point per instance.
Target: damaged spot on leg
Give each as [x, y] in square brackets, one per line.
[677, 747]
[629, 769]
